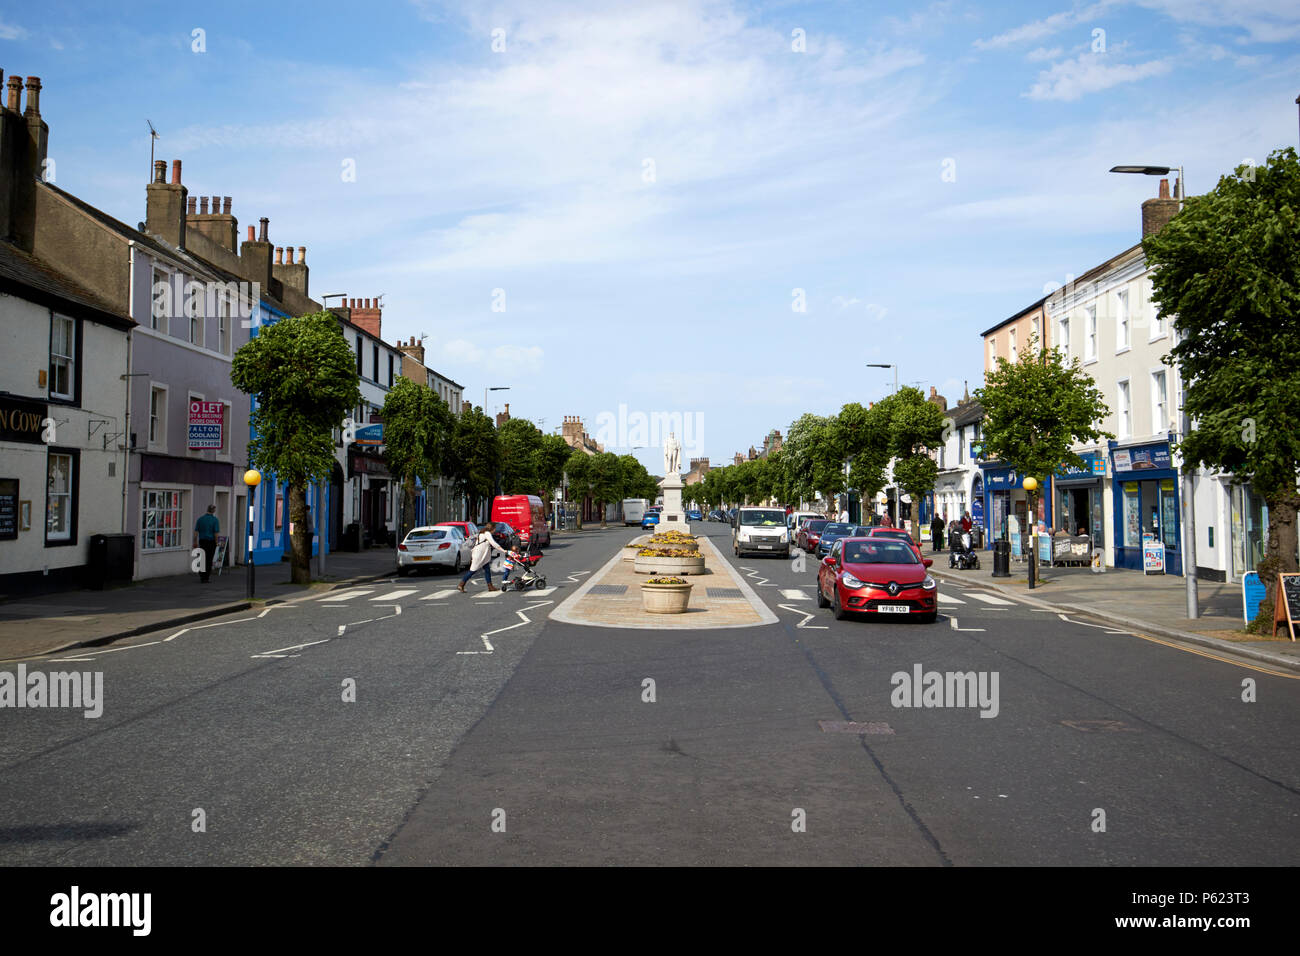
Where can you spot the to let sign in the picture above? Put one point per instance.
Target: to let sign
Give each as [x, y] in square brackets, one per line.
[205, 425]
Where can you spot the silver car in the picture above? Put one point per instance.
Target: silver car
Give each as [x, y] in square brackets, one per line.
[433, 546]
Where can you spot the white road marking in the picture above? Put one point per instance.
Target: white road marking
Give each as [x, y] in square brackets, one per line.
[1108, 629]
[394, 595]
[793, 594]
[953, 622]
[990, 598]
[439, 595]
[806, 618]
[200, 627]
[525, 620]
[573, 578]
[291, 647]
[342, 628]
[334, 596]
[948, 599]
[488, 594]
[761, 582]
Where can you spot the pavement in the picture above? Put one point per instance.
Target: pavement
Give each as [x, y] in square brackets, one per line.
[46, 623]
[1151, 603]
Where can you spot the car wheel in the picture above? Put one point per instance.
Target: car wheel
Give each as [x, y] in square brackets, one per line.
[836, 607]
[821, 598]
[787, 554]
[457, 567]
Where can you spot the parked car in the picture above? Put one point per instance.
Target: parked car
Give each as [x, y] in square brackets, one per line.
[524, 513]
[433, 546]
[898, 534]
[468, 528]
[694, 515]
[810, 533]
[833, 531]
[797, 518]
[502, 533]
[760, 530]
[876, 576]
[650, 520]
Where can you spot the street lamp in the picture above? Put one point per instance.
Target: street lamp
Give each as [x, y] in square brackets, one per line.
[898, 504]
[1184, 427]
[495, 388]
[252, 478]
[1031, 485]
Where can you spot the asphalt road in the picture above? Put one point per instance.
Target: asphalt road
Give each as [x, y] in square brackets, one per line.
[549, 750]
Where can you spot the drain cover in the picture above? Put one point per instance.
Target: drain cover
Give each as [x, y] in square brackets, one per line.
[854, 727]
[723, 592]
[1099, 726]
[609, 589]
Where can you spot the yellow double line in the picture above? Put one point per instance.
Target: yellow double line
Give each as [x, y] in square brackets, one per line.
[1216, 657]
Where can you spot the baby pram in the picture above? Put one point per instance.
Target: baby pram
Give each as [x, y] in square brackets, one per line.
[526, 568]
[961, 555]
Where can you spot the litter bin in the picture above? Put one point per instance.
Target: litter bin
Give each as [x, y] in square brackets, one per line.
[1002, 559]
[111, 558]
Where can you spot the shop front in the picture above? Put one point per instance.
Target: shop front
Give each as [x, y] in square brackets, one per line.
[372, 506]
[1080, 499]
[1004, 498]
[1146, 503]
[1249, 529]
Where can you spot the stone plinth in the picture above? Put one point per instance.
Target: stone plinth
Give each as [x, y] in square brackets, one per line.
[672, 518]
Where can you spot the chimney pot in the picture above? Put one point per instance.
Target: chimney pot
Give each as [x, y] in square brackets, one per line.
[225, 206]
[159, 167]
[288, 255]
[279, 255]
[33, 96]
[15, 93]
[1164, 189]
[252, 235]
[190, 204]
[302, 255]
[176, 172]
[203, 205]
[265, 223]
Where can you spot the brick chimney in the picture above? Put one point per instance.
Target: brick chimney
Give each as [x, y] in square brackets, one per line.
[1156, 213]
[571, 431]
[255, 257]
[937, 399]
[503, 417]
[165, 204]
[414, 349]
[218, 224]
[24, 140]
[292, 274]
[367, 316]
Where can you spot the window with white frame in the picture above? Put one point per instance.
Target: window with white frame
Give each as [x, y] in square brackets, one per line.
[194, 309]
[1063, 336]
[1159, 402]
[1011, 346]
[157, 415]
[58, 497]
[1158, 324]
[1090, 333]
[223, 325]
[1038, 332]
[993, 352]
[1122, 339]
[1124, 410]
[162, 520]
[160, 301]
[63, 341]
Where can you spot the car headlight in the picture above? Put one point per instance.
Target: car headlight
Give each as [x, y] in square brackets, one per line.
[850, 581]
[929, 583]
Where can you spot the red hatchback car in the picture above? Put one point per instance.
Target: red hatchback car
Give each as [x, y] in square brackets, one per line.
[810, 532]
[876, 575]
[898, 534]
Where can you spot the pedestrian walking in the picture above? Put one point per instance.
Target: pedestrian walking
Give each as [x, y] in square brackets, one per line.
[481, 557]
[936, 532]
[206, 530]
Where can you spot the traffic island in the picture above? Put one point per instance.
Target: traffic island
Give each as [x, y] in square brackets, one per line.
[719, 598]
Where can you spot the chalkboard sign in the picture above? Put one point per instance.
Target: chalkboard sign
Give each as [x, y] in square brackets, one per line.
[8, 509]
[1286, 610]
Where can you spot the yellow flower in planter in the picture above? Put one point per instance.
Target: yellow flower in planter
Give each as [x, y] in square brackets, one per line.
[667, 581]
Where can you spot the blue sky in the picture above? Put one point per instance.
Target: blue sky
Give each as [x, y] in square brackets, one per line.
[650, 182]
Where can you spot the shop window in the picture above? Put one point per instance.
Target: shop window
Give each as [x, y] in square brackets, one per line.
[1132, 515]
[162, 521]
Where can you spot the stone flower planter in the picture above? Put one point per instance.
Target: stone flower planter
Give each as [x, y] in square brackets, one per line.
[679, 545]
[666, 598]
[665, 565]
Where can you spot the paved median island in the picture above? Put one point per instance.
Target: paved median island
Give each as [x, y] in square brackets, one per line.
[612, 598]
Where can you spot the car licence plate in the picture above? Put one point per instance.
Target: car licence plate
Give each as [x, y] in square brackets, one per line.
[893, 608]
[767, 547]
[423, 557]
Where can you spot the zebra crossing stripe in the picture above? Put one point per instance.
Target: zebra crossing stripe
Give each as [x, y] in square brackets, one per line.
[989, 598]
[334, 596]
[394, 595]
[439, 595]
[948, 599]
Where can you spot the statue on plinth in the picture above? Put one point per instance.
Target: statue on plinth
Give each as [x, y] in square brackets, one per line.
[672, 455]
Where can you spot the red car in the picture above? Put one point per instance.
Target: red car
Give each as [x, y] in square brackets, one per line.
[897, 534]
[875, 575]
[468, 528]
[810, 532]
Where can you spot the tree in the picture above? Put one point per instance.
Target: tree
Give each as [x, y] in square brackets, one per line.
[1036, 410]
[552, 454]
[605, 477]
[637, 481]
[418, 428]
[303, 379]
[475, 457]
[912, 427]
[578, 473]
[1228, 268]
[521, 441]
[863, 439]
[811, 456]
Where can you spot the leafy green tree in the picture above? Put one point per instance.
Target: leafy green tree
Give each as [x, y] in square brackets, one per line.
[552, 454]
[577, 472]
[1227, 267]
[303, 379]
[812, 457]
[1036, 410]
[913, 427]
[637, 481]
[475, 457]
[605, 475]
[521, 441]
[418, 429]
[862, 436]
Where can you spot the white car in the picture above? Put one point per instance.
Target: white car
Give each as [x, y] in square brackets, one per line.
[433, 546]
[760, 530]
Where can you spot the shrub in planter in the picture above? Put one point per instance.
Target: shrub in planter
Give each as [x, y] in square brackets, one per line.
[666, 595]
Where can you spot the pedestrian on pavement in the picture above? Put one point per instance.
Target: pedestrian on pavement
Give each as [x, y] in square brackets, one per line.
[936, 532]
[481, 557]
[206, 530]
[966, 523]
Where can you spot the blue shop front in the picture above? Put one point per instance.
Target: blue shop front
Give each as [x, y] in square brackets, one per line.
[1004, 496]
[1146, 502]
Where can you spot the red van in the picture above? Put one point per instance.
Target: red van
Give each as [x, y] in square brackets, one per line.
[524, 513]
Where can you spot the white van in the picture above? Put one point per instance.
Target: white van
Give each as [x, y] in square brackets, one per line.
[760, 530]
[634, 510]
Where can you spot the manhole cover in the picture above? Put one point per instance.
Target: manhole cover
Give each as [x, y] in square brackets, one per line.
[609, 589]
[1099, 726]
[723, 592]
[854, 727]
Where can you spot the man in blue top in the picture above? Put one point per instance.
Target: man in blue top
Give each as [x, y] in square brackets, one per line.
[206, 530]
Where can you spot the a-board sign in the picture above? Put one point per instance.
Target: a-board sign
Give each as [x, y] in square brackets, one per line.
[1153, 555]
[219, 555]
[1253, 593]
[1286, 607]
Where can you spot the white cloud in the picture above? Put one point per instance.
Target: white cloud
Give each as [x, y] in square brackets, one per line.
[1042, 53]
[1263, 21]
[1046, 27]
[1091, 73]
[460, 351]
[10, 32]
[517, 358]
[840, 302]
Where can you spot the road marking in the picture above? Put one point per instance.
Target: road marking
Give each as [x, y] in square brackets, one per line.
[489, 595]
[1105, 627]
[333, 596]
[439, 595]
[573, 578]
[751, 572]
[525, 620]
[291, 647]
[394, 595]
[953, 622]
[806, 618]
[949, 599]
[200, 627]
[793, 594]
[1215, 657]
[990, 599]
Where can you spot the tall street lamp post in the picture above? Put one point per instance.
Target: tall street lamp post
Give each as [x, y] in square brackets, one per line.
[252, 478]
[1184, 427]
[898, 503]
